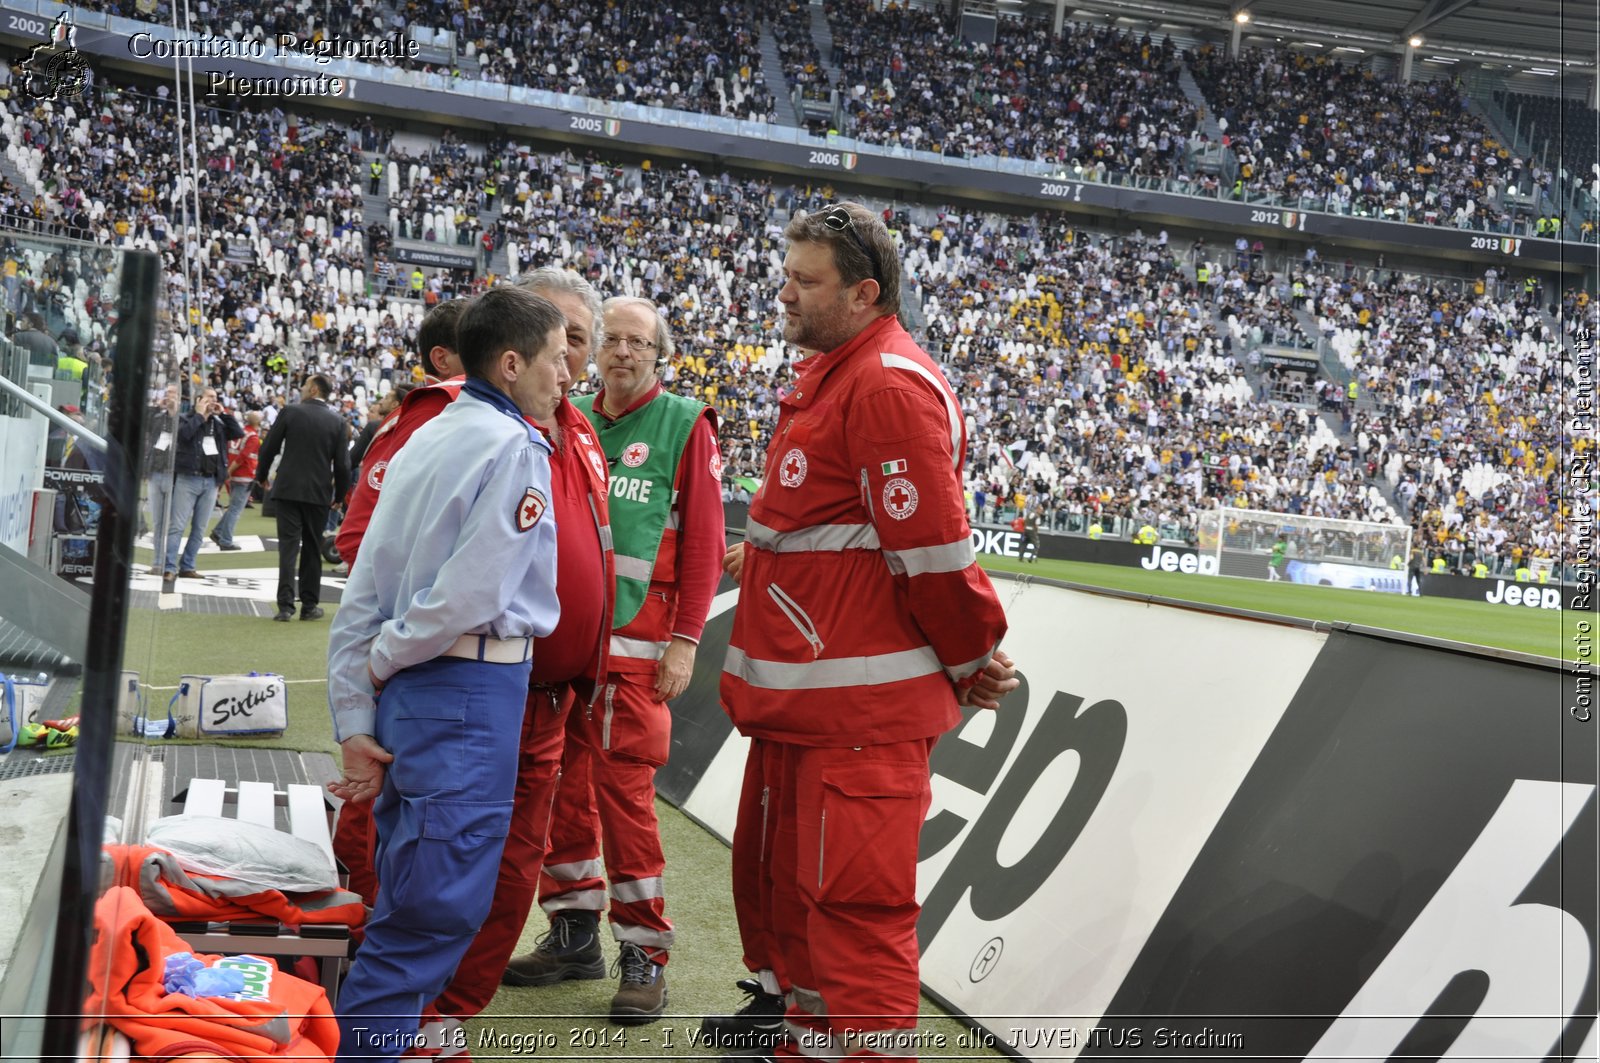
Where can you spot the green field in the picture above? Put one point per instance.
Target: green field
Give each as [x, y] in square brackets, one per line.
[1545, 632]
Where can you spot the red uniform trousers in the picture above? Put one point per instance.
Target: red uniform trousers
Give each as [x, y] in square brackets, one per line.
[825, 889]
[607, 803]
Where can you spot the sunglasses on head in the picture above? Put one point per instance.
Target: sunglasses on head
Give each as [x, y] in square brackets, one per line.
[840, 220]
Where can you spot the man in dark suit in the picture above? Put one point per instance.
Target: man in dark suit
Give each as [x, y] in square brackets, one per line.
[315, 472]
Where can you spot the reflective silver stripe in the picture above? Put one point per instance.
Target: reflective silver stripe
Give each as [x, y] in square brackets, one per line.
[808, 1000]
[576, 871]
[900, 361]
[819, 537]
[642, 935]
[673, 520]
[644, 889]
[633, 567]
[626, 647]
[961, 671]
[582, 900]
[919, 560]
[605, 537]
[840, 672]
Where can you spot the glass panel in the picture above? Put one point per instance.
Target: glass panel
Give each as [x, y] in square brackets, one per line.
[73, 361]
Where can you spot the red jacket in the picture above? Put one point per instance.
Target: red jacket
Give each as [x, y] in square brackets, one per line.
[421, 405]
[862, 609]
[242, 454]
[278, 1016]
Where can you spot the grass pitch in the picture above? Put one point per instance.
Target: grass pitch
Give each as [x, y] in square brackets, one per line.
[1545, 632]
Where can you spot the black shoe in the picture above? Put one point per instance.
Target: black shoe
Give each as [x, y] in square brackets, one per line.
[226, 546]
[284, 615]
[569, 950]
[314, 613]
[758, 1026]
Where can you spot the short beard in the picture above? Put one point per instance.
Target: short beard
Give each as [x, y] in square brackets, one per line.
[823, 337]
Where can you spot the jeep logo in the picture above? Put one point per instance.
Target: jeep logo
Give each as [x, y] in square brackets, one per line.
[1176, 561]
[1531, 596]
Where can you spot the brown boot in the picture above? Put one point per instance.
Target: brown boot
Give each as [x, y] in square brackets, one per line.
[642, 994]
[570, 950]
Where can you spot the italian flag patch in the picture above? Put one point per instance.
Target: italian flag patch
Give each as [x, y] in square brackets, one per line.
[892, 467]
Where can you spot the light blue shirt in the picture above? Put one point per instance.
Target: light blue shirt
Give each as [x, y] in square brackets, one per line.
[463, 542]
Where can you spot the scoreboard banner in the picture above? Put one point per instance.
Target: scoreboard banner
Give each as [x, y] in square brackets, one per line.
[1198, 835]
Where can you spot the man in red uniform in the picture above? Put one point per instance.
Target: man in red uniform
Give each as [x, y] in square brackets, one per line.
[666, 504]
[863, 624]
[353, 833]
[567, 667]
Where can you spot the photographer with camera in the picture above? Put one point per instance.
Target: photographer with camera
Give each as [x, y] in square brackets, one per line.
[201, 464]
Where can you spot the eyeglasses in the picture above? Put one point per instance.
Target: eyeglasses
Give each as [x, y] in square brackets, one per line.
[634, 343]
[840, 220]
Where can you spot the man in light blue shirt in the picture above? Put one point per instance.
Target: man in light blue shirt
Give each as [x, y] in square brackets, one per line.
[429, 658]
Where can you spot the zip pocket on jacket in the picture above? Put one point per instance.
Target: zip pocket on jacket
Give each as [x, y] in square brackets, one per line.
[797, 616]
[605, 724]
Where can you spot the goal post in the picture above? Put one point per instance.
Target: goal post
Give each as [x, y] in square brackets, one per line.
[1325, 551]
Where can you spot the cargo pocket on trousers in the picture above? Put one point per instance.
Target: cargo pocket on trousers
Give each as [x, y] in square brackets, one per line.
[871, 818]
[457, 860]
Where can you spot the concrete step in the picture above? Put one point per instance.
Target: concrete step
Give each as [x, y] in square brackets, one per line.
[777, 83]
[822, 33]
[1191, 89]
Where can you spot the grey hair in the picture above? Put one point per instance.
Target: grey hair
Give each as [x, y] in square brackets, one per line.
[665, 348]
[547, 279]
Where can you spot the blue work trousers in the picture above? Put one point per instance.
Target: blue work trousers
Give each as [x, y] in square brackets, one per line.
[442, 818]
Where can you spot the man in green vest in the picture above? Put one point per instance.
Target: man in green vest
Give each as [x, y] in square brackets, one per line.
[668, 535]
[418, 281]
[1524, 574]
[1095, 531]
[1440, 566]
[376, 169]
[1479, 569]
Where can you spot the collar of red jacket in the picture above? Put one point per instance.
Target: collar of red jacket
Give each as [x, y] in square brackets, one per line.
[815, 369]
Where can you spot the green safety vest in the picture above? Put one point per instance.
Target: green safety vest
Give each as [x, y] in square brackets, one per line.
[1479, 570]
[1095, 531]
[377, 168]
[1299, 290]
[1203, 274]
[1438, 564]
[417, 280]
[644, 448]
[1351, 390]
[1524, 575]
[70, 368]
[1397, 562]
[1540, 226]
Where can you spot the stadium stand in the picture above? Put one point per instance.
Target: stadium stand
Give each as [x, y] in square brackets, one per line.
[1101, 381]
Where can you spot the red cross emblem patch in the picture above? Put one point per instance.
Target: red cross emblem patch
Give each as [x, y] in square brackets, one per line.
[900, 498]
[530, 509]
[716, 465]
[634, 454]
[375, 475]
[792, 469]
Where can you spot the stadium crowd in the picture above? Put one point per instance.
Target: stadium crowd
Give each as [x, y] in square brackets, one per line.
[1098, 97]
[1102, 383]
[1303, 129]
[1311, 126]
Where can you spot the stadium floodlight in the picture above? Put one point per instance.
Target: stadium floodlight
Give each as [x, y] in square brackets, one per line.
[1241, 17]
[1415, 42]
[1320, 551]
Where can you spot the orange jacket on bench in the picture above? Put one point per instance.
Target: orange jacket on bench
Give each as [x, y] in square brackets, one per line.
[286, 1017]
[175, 894]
